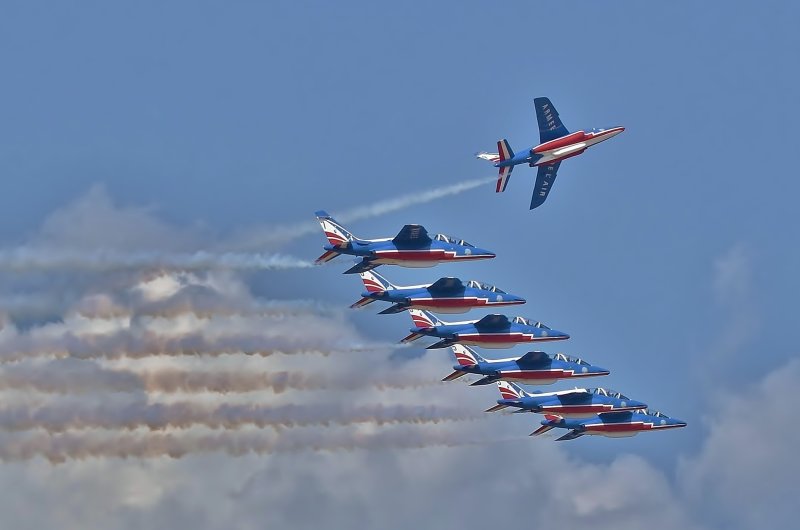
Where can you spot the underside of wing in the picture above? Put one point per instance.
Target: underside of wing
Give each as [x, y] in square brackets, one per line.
[545, 177]
[364, 265]
[571, 435]
[550, 126]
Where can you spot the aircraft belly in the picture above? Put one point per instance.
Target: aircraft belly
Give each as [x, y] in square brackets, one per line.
[616, 430]
[536, 376]
[449, 305]
[497, 340]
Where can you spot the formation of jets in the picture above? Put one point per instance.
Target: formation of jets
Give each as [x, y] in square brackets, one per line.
[593, 411]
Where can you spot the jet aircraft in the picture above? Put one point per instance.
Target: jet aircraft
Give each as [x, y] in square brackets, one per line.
[611, 424]
[575, 403]
[492, 331]
[556, 143]
[411, 247]
[534, 367]
[445, 295]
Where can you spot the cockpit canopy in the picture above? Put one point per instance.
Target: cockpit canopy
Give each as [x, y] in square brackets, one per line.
[485, 286]
[608, 392]
[569, 359]
[447, 239]
[655, 413]
[528, 322]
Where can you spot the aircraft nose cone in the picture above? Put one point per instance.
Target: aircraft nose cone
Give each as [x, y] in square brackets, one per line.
[680, 423]
[600, 371]
[638, 404]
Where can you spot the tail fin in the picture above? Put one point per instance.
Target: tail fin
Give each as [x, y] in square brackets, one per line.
[337, 234]
[510, 390]
[375, 283]
[465, 356]
[424, 319]
[504, 153]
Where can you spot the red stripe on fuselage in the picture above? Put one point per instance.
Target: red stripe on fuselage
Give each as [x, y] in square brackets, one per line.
[558, 143]
[504, 338]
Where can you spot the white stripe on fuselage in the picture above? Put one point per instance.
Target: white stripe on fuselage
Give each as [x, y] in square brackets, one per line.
[561, 152]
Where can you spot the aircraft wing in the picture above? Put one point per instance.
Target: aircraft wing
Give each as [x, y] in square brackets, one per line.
[493, 322]
[544, 182]
[534, 357]
[362, 266]
[571, 435]
[412, 235]
[550, 126]
[446, 285]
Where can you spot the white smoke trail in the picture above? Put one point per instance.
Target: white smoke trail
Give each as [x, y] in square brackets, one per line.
[282, 234]
[80, 446]
[84, 338]
[183, 415]
[25, 259]
[82, 377]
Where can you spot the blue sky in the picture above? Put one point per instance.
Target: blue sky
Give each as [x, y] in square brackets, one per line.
[668, 253]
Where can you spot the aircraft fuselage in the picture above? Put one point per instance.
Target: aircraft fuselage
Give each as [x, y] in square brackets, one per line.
[562, 148]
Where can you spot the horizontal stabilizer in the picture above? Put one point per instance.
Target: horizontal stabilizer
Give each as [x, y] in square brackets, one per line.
[361, 303]
[571, 435]
[325, 258]
[503, 176]
[455, 375]
[541, 430]
[491, 157]
[412, 337]
[362, 266]
[496, 408]
[396, 308]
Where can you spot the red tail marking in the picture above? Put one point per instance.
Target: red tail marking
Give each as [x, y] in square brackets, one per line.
[421, 321]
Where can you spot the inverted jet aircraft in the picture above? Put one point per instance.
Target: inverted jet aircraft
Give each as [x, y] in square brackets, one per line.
[556, 143]
[492, 331]
[611, 424]
[445, 295]
[411, 247]
[575, 403]
[534, 367]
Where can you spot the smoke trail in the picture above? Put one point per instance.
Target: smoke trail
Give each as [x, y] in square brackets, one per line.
[282, 234]
[25, 259]
[80, 446]
[100, 339]
[186, 352]
[161, 416]
[81, 377]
